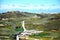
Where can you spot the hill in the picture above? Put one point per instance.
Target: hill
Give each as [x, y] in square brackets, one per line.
[11, 22]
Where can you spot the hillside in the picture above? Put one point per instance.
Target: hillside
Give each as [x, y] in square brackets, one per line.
[11, 22]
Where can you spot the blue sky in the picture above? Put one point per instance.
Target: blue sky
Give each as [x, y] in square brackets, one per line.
[35, 6]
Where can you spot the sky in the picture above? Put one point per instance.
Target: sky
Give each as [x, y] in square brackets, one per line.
[35, 6]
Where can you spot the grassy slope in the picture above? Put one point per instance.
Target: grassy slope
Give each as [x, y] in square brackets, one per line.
[31, 23]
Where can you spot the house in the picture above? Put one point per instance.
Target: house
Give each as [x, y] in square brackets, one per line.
[36, 16]
[1, 25]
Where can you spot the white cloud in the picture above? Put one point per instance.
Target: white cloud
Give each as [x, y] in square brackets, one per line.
[29, 7]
